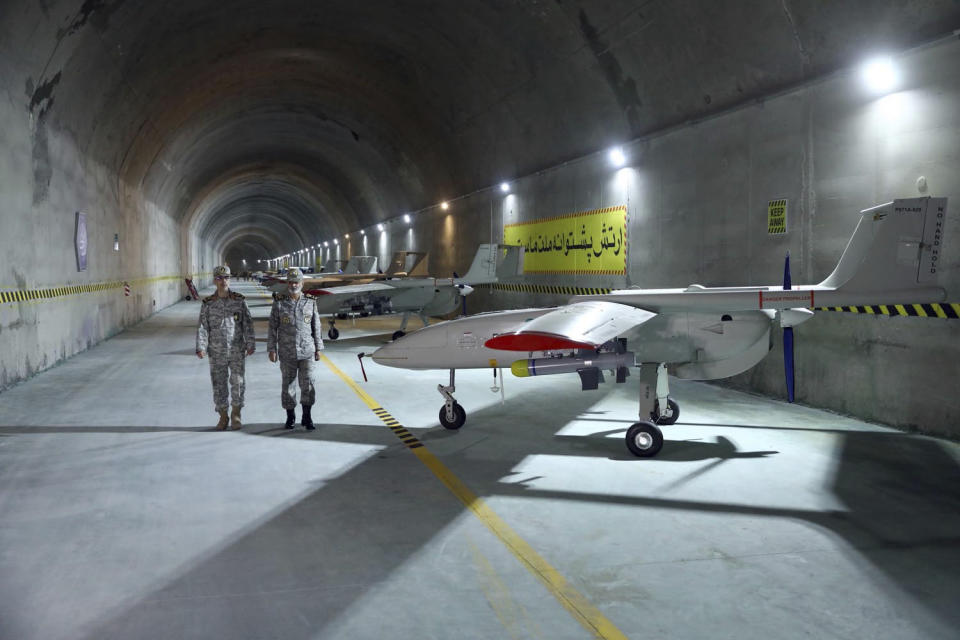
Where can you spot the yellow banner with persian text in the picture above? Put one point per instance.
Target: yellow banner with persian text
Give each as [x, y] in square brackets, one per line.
[584, 243]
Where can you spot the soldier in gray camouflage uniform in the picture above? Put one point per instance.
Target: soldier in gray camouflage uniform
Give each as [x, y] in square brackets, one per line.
[294, 335]
[226, 331]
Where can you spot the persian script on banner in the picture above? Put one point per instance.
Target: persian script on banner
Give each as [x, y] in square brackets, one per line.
[588, 242]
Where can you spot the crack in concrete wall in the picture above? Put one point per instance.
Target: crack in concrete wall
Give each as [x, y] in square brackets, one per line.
[41, 101]
[624, 88]
[804, 56]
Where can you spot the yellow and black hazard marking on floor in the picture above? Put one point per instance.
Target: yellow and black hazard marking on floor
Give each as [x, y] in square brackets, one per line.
[576, 604]
[933, 310]
[398, 429]
[546, 288]
[39, 295]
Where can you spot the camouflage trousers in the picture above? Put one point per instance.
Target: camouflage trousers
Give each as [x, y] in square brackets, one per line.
[291, 370]
[220, 371]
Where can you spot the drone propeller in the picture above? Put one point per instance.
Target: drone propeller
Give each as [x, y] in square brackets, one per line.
[788, 336]
[464, 290]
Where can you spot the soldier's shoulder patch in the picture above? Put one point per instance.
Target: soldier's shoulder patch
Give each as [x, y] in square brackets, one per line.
[280, 296]
[210, 298]
[309, 297]
[236, 296]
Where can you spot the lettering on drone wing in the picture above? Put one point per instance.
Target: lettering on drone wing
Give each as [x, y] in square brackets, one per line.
[467, 341]
[781, 299]
[932, 243]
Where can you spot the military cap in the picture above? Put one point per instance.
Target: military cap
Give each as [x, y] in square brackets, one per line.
[221, 271]
[294, 275]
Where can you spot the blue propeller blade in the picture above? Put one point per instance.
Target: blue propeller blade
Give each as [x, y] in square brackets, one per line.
[788, 336]
[788, 360]
[463, 298]
[786, 273]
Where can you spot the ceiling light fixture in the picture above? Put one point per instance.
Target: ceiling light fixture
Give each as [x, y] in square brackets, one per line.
[617, 157]
[880, 75]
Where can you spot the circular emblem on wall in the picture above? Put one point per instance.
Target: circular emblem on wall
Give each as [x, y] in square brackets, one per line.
[80, 241]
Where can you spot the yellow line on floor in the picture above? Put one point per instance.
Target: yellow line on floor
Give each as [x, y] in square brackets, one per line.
[572, 600]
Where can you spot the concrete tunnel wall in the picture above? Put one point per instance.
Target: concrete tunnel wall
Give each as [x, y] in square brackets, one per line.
[47, 175]
[75, 138]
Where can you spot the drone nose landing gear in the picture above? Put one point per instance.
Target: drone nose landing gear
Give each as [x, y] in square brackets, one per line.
[452, 415]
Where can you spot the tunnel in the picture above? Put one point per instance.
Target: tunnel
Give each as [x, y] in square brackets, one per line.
[146, 144]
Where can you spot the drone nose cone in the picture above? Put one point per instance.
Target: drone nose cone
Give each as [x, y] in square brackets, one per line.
[390, 355]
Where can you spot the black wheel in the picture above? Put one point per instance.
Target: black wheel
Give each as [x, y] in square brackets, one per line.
[644, 439]
[334, 333]
[364, 314]
[459, 417]
[398, 334]
[673, 412]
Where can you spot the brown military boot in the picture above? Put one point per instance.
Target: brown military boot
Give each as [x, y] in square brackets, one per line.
[223, 420]
[235, 418]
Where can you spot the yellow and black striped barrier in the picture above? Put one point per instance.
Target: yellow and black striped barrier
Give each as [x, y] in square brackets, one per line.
[546, 288]
[933, 310]
[39, 295]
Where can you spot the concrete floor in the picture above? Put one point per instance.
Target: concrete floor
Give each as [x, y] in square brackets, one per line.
[122, 515]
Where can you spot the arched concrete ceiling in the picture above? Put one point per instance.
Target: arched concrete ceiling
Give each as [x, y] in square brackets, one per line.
[304, 119]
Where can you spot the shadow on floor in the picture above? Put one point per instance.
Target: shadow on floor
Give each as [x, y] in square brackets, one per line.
[293, 575]
[67, 430]
[902, 499]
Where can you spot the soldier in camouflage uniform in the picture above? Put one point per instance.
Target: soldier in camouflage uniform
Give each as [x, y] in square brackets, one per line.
[294, 335]
[225, 331]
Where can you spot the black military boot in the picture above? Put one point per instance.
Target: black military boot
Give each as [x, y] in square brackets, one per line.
[291, 418]
[305, 420]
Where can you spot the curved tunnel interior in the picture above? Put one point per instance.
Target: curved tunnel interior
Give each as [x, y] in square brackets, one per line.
[201, 132]
[143, 143]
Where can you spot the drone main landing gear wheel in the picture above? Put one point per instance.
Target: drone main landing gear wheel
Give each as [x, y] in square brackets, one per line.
[644, 439]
